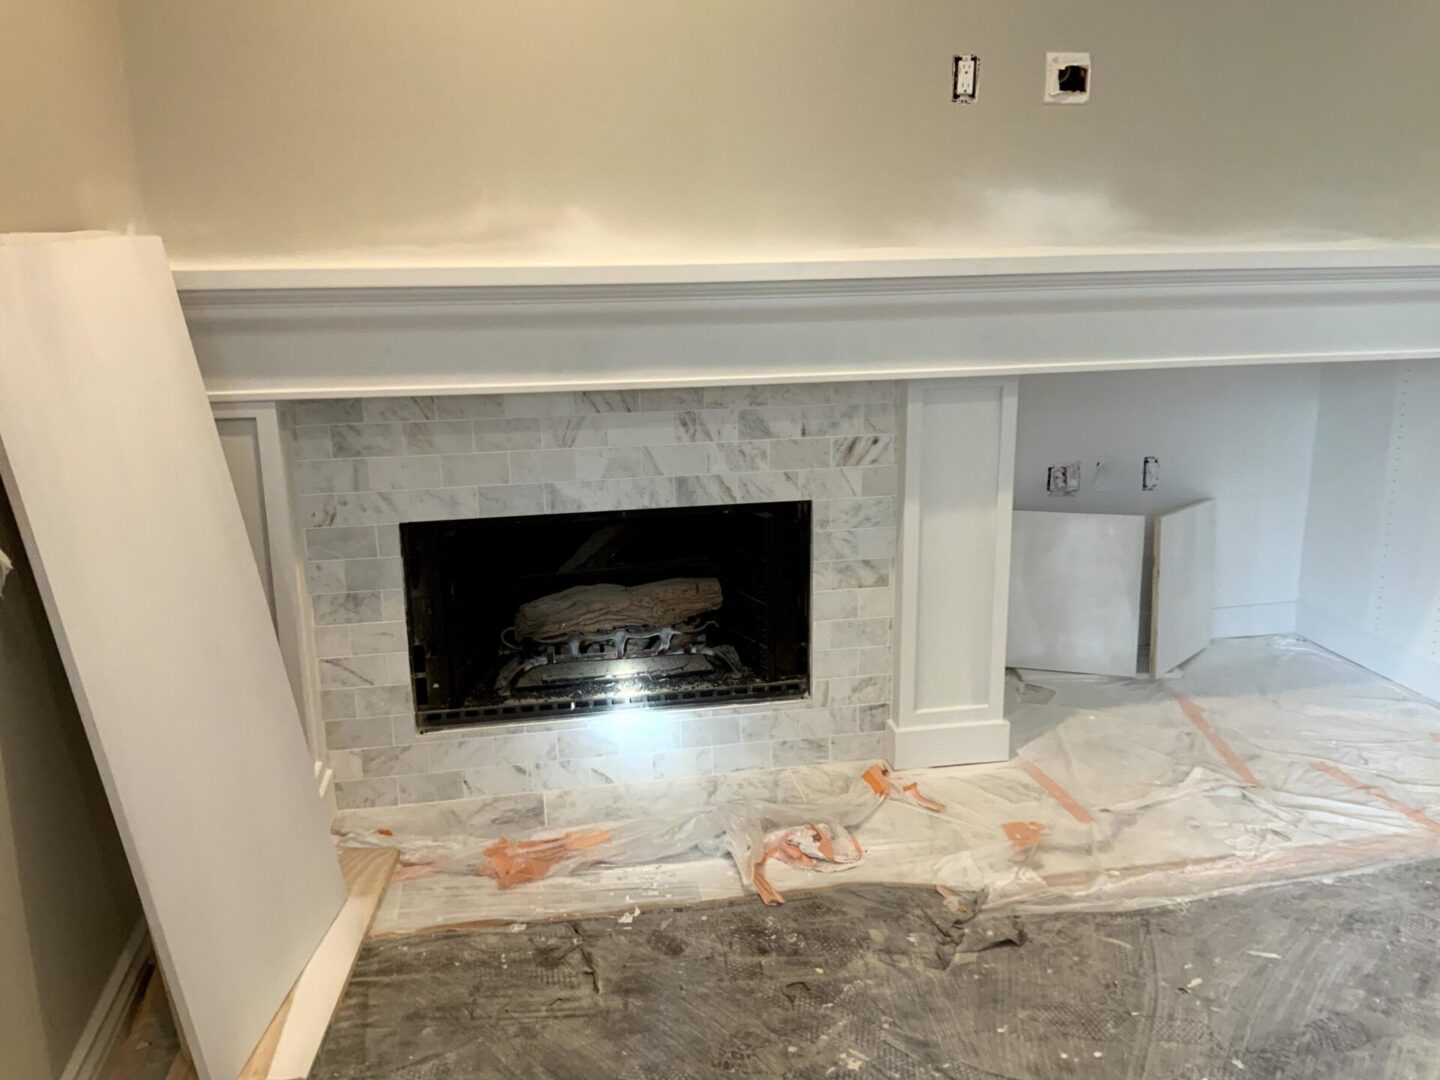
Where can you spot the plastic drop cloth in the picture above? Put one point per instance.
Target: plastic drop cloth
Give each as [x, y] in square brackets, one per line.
[1262, 760]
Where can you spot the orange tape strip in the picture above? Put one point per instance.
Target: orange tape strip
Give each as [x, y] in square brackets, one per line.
[1058, 793]
[1421, 819]
[1196, 716]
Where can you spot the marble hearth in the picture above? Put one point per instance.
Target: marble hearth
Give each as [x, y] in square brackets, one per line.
[363, 466]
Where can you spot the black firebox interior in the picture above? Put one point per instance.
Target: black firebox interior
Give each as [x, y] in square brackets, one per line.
[466, 580]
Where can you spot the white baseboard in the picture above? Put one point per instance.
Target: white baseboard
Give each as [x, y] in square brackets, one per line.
[950, 744]
[1252, 620]
[95, 1041]
[1369, 651]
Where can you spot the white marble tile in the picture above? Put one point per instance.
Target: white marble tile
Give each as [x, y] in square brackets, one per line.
[880, 418]
[392, 604]
[879, 480]
[430, 787]
[590, 772]
[439, 437]
[345, 764]
[767, 727]
[874, 603]
[561, 403]
[860, 573]
[852, 633]
[311, 443]
[680, 459]
[501, 434]
[510, 500]
[830, 483]
[834, 663]
[607, 401]
[353, 672]
[351, 509]
[366, 574]
[480, 817]
[402, 408]
[812, 751]
[800, 453]
[565, 432]
[864, 450]
[382, 701]
[769, 423]
[710, 730]
[875, 661]
[442, 504]
[352, 794]
[672, 400]
[352, 607]
[623, 494]
[452, 754]
[325, 577]
[394, 760]
[467, 406]
[709, 490]
[737, 756]
[537, 466]
[332, 641]
[868, 745]
[337, 704]
[385, 637]
[357, 733]
[498, 780]
[366, 440]
[736, 457]
[860, 690]
[323, 477]
[829, 420]
[608, 462]
[834, 605]
[403, 473]
[474, 470]
[693, 761]
[527, 749]
[862, 513]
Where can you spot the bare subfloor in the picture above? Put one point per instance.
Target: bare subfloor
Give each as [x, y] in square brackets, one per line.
[1327, 979]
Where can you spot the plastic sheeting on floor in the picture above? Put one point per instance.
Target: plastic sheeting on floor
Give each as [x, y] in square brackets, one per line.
[1263, 760]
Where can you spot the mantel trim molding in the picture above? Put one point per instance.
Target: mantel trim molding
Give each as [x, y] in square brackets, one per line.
[344, 335]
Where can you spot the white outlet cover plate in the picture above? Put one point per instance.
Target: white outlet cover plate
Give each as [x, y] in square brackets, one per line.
[1053, 63]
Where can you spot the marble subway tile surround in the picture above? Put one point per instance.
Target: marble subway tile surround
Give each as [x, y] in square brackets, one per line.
[361, 467]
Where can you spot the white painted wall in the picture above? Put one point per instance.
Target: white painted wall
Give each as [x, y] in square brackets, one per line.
[1242, 435]
[1370, 587]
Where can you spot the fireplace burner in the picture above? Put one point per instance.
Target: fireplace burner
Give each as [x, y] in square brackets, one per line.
[530, 617]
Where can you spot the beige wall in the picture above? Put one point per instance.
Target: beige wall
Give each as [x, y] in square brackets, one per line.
[67, 159]
[636, 129]
[67, 901]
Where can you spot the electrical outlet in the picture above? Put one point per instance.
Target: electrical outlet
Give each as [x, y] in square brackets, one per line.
[964, 72]
[1150, 474]
[1068, 77]
[1063, 479]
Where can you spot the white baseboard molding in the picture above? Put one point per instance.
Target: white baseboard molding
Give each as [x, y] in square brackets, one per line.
[1369, 651]
[100, 1030]
[969, 743]
[1252, 620]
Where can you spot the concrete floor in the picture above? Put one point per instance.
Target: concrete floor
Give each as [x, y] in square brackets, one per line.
[1322, 980]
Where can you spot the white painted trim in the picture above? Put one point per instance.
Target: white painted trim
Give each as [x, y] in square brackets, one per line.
[1253, 620]
[98, 1036]
[958, 732]
[1369, 651]
[971, 742]
[314, 333]
[283, 536]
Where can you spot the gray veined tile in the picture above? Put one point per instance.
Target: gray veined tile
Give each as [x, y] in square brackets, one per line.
[830, 483]
[311, 442]
[403, 408]
[567, 432]
[834, 605]
[623, 494]
[607, 401]
[705, 426]
[467, 406]
[874, 603]
[829, 420]
[879, 480]
[385, 637]
[475, 470]
[332, 641]
[499, 780]
[354, 794]
[779, 423]
[351, 607]
[394, 760]
[852, 633]
[442, 504]
[502, 434]
[738, 756]
[351, 509]
[867, 391]
[680, 459]
[525, 749]
[337, 705]
[610, 462]
[345, 764]
[558, 403]
[710, 490]
[672, 400]
[324, 477]
[383, 701]
[430, 787]
[813, 751]
[366, 574]
[439, 437]
[325, 577]
[736, 457]
[674, 764]
[511, 500]
[880, 418]
[352, 672]
[864, 450]
[366, 440]
[403, 473]
[452, 754]
[357, 734]
[800, 453]
[862, 746]
[537, 466]
[768, 486]
[860, 573]
[876, 660]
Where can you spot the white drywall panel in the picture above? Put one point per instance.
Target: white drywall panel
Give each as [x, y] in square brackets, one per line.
[1075, 585]
[110, 452]
[958, 460]
[1242, 436]
[1182, 603]
[1371, 581]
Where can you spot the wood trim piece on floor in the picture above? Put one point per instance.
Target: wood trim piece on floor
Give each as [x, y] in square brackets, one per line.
[288, 1048]
[101, 1030]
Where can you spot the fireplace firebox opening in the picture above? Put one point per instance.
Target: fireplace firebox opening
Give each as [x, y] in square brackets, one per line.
[572, 614]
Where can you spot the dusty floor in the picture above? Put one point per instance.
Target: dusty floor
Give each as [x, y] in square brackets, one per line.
[1326, 979]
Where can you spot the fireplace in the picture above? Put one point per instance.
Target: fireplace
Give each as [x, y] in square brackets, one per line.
[562, 615]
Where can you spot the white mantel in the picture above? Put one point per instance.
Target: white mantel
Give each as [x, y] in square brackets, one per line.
[313, 332]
